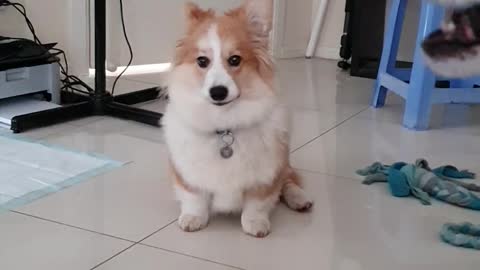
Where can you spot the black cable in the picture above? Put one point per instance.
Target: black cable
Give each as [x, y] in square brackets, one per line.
[21, 8]
[129, 48]
[15, 54]
[68, 79]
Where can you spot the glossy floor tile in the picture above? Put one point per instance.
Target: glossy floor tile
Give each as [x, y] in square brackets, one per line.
[360, 142]
[448, 118]
[29, 243]
[130, 203]
[352, 227]
[148, 258]
[126, 218]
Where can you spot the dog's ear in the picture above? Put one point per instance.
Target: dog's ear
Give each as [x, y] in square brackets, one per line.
[195, 15]
[260, 15]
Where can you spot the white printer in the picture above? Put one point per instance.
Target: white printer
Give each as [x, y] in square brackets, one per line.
[27, 68]
[27, 71]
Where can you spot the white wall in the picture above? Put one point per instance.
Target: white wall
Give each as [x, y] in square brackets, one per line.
[293, 24]
[332, 30]
[54, 21]
[12, 23]
[153, 28]
[161, 23]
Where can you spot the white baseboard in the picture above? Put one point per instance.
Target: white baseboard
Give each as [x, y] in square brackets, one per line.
[328, 53]
[284, 53]
[321, 52]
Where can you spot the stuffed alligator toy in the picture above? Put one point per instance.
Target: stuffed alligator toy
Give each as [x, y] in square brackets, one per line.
[442, 183]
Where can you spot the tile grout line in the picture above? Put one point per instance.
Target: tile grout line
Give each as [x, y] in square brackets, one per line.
[113, 257]
[327, 131]
[71, 226]
[155, 232]
[131, 246]
[134, 243]
[179, 253]
[326, 174]
[191, 256]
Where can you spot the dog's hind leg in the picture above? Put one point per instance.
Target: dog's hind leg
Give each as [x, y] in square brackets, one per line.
[293, 195]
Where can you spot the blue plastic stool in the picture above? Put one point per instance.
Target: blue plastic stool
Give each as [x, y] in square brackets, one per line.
[416, 85]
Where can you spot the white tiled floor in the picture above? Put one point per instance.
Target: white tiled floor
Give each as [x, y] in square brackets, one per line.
[125, 219]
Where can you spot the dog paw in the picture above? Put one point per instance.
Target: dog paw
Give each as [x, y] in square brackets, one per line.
[301, 205]
[296, 199]
[259, 228]
[191, 223]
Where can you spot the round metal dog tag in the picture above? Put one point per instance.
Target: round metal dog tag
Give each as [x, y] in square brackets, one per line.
[226, 152]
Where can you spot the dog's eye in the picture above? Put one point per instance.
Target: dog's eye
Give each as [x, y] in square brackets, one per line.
[234, 61]
[203, 61]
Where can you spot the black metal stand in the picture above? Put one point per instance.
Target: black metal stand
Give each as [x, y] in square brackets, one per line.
[100, 102]
[367, 33]
[346, 40]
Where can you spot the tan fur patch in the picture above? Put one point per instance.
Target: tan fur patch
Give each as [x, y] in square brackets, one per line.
[238, 38]
[178, 179]
[285, 175]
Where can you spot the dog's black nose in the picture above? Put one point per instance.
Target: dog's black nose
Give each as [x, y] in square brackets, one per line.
[219, 93]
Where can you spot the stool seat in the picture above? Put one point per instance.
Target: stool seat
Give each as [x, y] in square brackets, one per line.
[417, 86]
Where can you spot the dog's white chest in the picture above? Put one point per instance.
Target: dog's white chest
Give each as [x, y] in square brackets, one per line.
[255, 160]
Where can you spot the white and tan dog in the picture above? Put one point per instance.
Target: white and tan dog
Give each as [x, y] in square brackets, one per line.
[225, 130]
[454, 50]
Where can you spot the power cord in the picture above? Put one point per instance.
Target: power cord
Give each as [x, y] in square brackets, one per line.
[129, 48]
[69, 81]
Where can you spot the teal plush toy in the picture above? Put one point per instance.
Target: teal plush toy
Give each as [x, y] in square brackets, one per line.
[441, 183]
[422, 182]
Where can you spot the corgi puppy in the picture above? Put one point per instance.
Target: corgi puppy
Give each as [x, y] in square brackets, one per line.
[225, 130]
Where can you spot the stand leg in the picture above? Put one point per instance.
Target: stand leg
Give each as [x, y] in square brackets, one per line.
[131, 113]
[50, 117]
[138, 96]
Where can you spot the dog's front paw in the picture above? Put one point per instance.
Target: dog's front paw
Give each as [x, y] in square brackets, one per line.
[191, 223]
[257, 227]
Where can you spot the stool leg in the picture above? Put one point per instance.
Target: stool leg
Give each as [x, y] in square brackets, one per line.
[418, 103]
[391, 43]
[461, 84]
